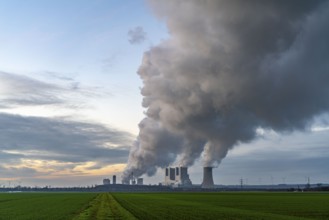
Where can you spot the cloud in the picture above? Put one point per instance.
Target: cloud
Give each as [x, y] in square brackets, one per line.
[136, 35]
[67, 143]
[228, 69]
[286, 158]
[57, 146]
[22, 90]
[267, 169]
[13, 172]
[57, 76]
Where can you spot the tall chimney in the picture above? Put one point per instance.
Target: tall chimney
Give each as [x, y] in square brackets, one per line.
[208, 181]
[114, 180]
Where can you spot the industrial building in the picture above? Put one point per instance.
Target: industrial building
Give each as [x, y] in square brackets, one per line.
[140, 181]
[106, 181]
[126, 182]
[132, 180]
[177, 176]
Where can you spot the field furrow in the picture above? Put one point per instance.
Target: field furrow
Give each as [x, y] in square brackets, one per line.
[104, 206]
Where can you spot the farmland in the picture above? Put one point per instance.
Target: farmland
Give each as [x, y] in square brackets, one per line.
[42, 205]
[226, 205]
[229, 205]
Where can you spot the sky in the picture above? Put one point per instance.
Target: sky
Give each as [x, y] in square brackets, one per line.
[71, 98]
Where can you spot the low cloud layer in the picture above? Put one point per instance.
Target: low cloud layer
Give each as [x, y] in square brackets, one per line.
[60, 140]
[301, 155]
[38, 147]
[18, 90]
[23, 91]
[229, 68]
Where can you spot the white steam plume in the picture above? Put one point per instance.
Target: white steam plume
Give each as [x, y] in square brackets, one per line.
[228, 68]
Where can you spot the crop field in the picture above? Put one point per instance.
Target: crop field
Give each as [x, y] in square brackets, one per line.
[42, 205]
[145, 206]
[226, 205]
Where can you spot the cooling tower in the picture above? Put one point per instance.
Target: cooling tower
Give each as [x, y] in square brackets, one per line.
[208, 181]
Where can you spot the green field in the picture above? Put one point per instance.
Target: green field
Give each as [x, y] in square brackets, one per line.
[79, 206]
[43, 205]
[226, 205]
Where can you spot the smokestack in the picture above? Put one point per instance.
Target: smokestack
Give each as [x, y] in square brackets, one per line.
[208, 181]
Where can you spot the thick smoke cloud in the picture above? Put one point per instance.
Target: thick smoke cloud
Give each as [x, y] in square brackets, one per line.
[229, 68]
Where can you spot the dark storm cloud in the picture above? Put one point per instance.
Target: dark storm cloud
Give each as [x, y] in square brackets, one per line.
[61, 140]
[228, 68]
[136, 35]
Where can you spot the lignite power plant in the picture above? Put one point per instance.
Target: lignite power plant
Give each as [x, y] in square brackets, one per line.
[178, 177]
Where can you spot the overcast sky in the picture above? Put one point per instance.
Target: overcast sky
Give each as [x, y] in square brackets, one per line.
[70, 100]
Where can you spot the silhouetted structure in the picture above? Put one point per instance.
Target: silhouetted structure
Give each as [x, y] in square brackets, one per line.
[114, 179]
[106, 181]
[177, 176]
[140, 181]
[208, 181]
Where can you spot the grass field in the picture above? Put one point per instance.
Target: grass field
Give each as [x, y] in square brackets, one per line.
[226, 205]
[145, 206]
[26, 206]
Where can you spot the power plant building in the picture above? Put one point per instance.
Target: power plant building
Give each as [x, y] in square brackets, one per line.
[140, 181]
[126, 182]
[177, 176]
[106, 181]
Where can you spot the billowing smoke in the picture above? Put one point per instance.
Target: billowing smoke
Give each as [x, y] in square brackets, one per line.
[229, 68]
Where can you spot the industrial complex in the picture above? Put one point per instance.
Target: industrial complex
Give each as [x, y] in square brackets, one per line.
[176, 177]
